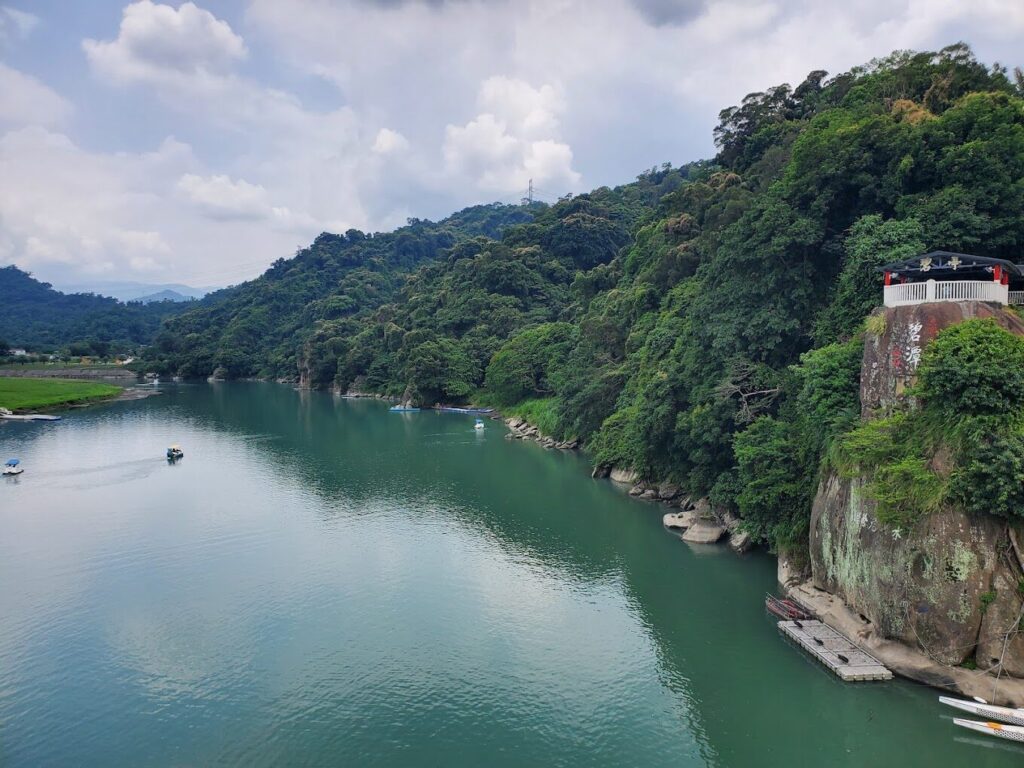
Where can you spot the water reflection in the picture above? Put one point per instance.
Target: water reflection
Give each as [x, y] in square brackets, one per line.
[319, 578]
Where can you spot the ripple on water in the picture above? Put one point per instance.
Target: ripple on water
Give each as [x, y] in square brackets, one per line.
[321, 583]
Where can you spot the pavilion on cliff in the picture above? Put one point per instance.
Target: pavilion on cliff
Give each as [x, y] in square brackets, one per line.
[946, 276]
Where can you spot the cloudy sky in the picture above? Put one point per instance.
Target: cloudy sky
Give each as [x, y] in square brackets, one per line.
[197, 142]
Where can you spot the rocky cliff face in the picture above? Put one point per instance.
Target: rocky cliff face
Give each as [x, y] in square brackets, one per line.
[950, 586]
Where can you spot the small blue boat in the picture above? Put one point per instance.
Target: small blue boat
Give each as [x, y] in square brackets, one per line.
[403, 409]
[479, 424]
[12, 468]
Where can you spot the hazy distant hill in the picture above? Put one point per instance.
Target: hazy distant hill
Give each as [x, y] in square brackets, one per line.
[165, 295]
[125, 290]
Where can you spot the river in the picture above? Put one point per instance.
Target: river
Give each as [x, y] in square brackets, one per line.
[320, 581]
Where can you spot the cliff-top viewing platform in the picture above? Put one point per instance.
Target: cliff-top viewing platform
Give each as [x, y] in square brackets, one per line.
[945, 276]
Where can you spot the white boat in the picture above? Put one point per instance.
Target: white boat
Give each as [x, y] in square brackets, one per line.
[12, 468]
[986, 710]
[174, 453]
[479, 424]
[1009, 732]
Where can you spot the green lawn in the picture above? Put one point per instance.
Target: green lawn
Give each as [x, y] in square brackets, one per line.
[24, 394]
[44, 366]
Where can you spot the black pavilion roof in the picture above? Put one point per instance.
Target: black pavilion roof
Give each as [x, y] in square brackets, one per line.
[949, 263]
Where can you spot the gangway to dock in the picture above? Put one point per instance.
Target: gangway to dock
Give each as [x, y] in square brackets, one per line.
[834, 651]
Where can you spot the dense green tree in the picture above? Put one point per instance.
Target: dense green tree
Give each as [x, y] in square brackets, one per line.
[871, 242]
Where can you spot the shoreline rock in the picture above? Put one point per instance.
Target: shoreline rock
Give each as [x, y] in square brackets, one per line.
[680, 520]
[902, 659]
[704, 532]
[520, 429]
[621, 475]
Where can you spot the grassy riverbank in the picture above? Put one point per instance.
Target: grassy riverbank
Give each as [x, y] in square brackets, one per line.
[18, 394]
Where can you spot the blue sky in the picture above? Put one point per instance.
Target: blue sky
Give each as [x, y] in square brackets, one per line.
[198, 142]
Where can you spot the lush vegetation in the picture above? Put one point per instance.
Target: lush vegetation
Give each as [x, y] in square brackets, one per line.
[36, 317]
[19, 394]
[701, 324]
[307, 312]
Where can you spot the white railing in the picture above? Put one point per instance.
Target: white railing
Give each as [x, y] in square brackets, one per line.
[1017, 297]
[951, 290]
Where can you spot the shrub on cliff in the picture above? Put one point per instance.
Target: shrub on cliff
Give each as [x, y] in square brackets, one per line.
[991, 477]
[974, 368]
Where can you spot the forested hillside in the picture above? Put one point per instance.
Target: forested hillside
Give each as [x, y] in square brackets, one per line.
[258, 328]
[702, 324]
[34, 315]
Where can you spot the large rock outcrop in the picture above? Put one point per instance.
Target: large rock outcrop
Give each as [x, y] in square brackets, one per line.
[926, 586]
[950, 586]
[891, 356]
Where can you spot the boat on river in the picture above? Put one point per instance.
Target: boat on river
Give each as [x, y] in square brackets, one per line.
[479, 425]
[8, 416]
[988, 711]
[1009, 732]
[174, 453]
[12, 467]
[403, 409]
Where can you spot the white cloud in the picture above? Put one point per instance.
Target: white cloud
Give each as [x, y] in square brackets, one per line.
[15, 24]
[477, 98]
[94, 213]
[158, 42]
[514, 141]
[222, 198]
[66, 211]
[646, 77]
[26, 101]
[389, 142]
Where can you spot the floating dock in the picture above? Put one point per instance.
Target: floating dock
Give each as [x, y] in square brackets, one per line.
[833, 650]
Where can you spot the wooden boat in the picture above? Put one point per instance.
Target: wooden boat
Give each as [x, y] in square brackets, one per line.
[1009, 732]
[986, 710]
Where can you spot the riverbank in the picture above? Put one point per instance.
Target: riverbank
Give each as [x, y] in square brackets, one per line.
[19, 394]
[698, 523]
[902, 659]
[587, 610]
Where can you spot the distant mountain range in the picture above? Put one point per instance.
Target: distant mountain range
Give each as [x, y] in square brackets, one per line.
[133, 291]
[165, 295]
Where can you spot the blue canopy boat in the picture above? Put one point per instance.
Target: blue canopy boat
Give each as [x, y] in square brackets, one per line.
[12, 468]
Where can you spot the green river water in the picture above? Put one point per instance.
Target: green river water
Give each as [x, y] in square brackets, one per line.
[321, 582]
